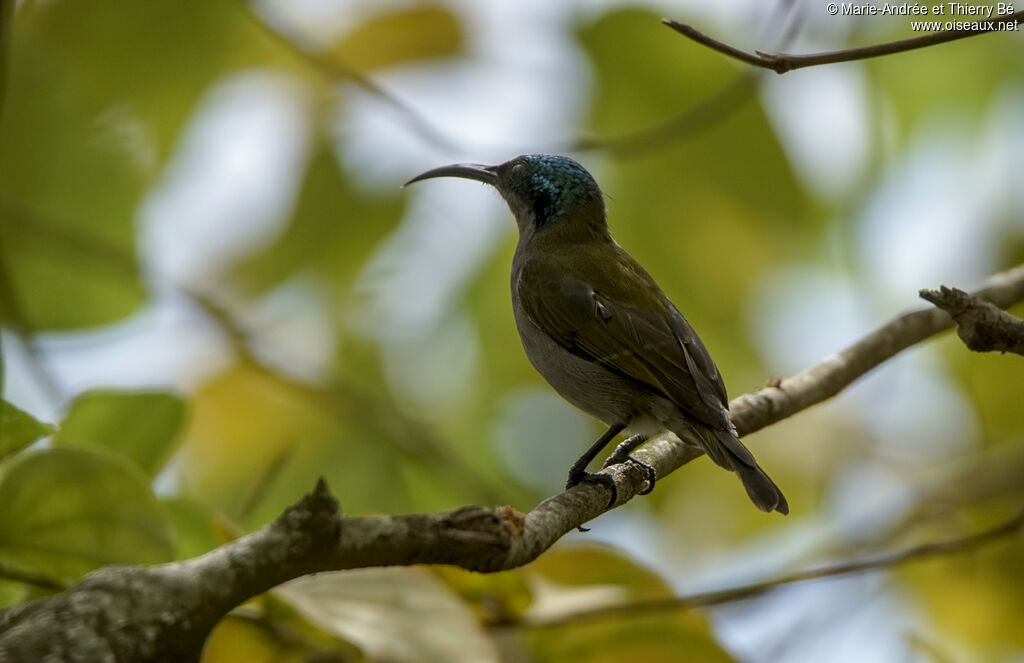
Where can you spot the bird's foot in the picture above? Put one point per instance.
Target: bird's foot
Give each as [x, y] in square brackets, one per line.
[622, 455]
[578, 476]
[651, 477]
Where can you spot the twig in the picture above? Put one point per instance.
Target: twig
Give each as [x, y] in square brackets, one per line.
[923, 551]
[693, 120]
[409, 436]
[982, 326]
[783, 62]
[334, 69]
[702, 115]
[32, 578]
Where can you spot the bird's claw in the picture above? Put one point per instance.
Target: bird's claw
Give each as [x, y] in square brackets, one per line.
[652, 476]
[576, 478]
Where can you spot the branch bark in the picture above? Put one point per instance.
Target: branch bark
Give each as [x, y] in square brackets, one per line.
[981, 325]
[164, 613]
[780, 63]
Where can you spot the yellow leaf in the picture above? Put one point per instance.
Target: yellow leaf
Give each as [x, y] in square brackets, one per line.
[397, 37]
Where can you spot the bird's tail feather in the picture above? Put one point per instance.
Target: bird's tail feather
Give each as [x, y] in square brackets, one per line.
[726, 450]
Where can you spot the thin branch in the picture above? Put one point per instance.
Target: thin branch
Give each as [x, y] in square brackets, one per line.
[924, 551]
[783, 62]
[982, 326]
[417, 440]
[335, 70]
[693, 120]
[768, 405]
[32, 578]
[702, 115]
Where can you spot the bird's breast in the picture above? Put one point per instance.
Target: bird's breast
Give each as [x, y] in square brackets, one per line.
[586, 384]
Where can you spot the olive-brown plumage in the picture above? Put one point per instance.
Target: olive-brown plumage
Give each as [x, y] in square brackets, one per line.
[596, 325]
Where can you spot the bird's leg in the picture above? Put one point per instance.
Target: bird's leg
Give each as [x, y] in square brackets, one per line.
[578, 472]
[621, 455]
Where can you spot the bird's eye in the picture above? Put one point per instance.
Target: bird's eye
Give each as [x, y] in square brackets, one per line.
[518, 169]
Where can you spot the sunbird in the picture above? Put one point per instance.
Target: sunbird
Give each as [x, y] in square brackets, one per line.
[598, 328]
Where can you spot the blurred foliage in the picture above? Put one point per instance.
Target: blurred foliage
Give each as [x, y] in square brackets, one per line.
[18, 429]
[197, 528]
[64, 512]
[97, 102]
[396, 37]
[545, 593]
[333, 227]
[368, 606]
[268, 629]
[141, 426]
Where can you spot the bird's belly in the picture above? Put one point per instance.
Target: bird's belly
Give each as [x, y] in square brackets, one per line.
[586, 384]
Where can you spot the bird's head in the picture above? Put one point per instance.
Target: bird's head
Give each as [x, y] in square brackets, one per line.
[542, 190]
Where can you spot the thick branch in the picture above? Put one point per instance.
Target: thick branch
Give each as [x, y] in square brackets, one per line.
[782, 62]
[982, 326]
[164, 613]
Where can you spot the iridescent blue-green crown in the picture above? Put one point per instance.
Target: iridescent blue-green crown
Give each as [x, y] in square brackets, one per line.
[556, 183]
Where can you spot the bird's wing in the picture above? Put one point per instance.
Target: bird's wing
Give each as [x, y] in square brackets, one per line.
[657, 348]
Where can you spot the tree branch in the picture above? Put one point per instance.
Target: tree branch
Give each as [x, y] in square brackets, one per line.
[335, 70]
[164, 613]
[780, 63]
[981, 325]
[690, 122]
[766, 406]
[923, 551]
[40, 580]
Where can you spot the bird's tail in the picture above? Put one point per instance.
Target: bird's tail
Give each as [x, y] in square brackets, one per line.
[726, 450]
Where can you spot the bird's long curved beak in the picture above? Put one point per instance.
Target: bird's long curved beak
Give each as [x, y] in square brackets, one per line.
[469, 171]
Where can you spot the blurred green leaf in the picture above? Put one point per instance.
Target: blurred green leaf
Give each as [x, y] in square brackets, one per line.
[65, 512]
[496, 598]
[975, 72]
[967, 596]
[242, 423]
[235, 640]
[18, 429]
[141, 425]
[12, 593]
[97, 95]
[274, 636]
[677, 635]
[417, 33]
[139, 68]
[575, 565]
[332, 230]
[257, 441]
[399, 614]
[195, 527]
[574, 578]
[67, 198]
